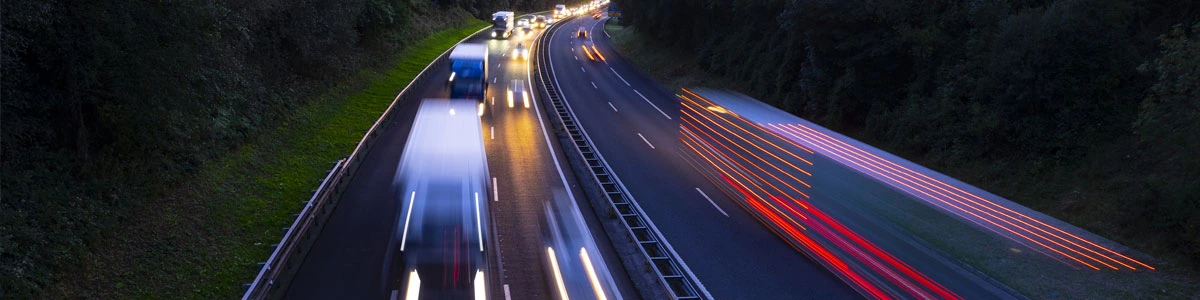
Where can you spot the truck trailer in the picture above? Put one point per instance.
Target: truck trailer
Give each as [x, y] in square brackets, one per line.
[502, 24]
[441, 243]
[560, 11]
[468, 71]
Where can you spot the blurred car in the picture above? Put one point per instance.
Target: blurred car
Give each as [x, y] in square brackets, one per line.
[596, 16]
[581, 33]
[523, 23]
[540, 21]
[520, 52]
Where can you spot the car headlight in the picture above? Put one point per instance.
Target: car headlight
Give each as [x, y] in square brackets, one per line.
[493, 34]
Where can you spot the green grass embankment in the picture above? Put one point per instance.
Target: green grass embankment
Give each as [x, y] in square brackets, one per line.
[203, 239]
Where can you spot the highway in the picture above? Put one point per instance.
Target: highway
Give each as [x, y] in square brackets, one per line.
[779, 208]
[348, 259]
[825, 195]
[634, 123]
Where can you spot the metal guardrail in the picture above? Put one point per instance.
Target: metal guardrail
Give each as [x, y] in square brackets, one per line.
[285, 259]
[666, 263]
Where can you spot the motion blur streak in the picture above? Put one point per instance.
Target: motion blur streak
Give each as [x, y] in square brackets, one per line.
[698, 108]
[779, 204]
[558, 279]
[1006, 221]
[977, 217]
[591, 272]
[756, 127]
[717, 108]
[1026, 228]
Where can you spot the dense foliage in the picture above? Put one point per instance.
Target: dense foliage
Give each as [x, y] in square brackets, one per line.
[107, 104]
[1041, 85]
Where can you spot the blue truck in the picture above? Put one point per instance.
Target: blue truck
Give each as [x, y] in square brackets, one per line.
[468, 71]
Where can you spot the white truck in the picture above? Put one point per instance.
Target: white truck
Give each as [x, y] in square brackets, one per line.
[502, 24]
[560, 11]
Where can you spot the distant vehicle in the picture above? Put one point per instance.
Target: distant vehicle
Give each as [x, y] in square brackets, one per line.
[560, 11]
[539, 21]
[596, 16]
[502, 24]
[581, 33]
[520, 52]
[440, 245]
[468, 71]
[523, 22]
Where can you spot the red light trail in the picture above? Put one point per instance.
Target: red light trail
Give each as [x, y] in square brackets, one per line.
[778, 201]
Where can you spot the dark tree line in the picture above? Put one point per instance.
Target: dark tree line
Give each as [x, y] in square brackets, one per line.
[1041, 82]
[107, 102]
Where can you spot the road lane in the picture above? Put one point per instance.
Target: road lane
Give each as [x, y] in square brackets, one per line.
[732, 256]
[347, 260]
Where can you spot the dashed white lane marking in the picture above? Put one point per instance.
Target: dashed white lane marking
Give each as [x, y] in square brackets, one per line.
[581, 69]
[497, 65]
[613, 107]
[714, 204]
[493, 100]
[594, 85]
[493, 79]
[495, 191]
[619, 76]
[652, 104]
[645, 140]
[577, 57]
[493, 132]
[507, 295]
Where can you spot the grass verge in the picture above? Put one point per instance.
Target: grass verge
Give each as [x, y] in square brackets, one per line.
[1027, 272]
[203, 239]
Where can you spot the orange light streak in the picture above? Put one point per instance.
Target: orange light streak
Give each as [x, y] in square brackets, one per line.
[694, 109]
[950, 195]
[756, 125]
[589, 52]
[685, 121]
[725, 160]
[940, 185]
[598, 53]
[971, 213]
[879, 161]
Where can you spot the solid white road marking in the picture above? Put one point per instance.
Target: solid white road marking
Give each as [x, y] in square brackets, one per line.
[613, 107]
[653, 227]
[594, 85]
[495, 191]
[619, 76]
[714, 204]
[652, 104]
[645, 140]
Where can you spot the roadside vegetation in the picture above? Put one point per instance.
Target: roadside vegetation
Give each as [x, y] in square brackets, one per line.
[1085, 110]
[155, 149]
